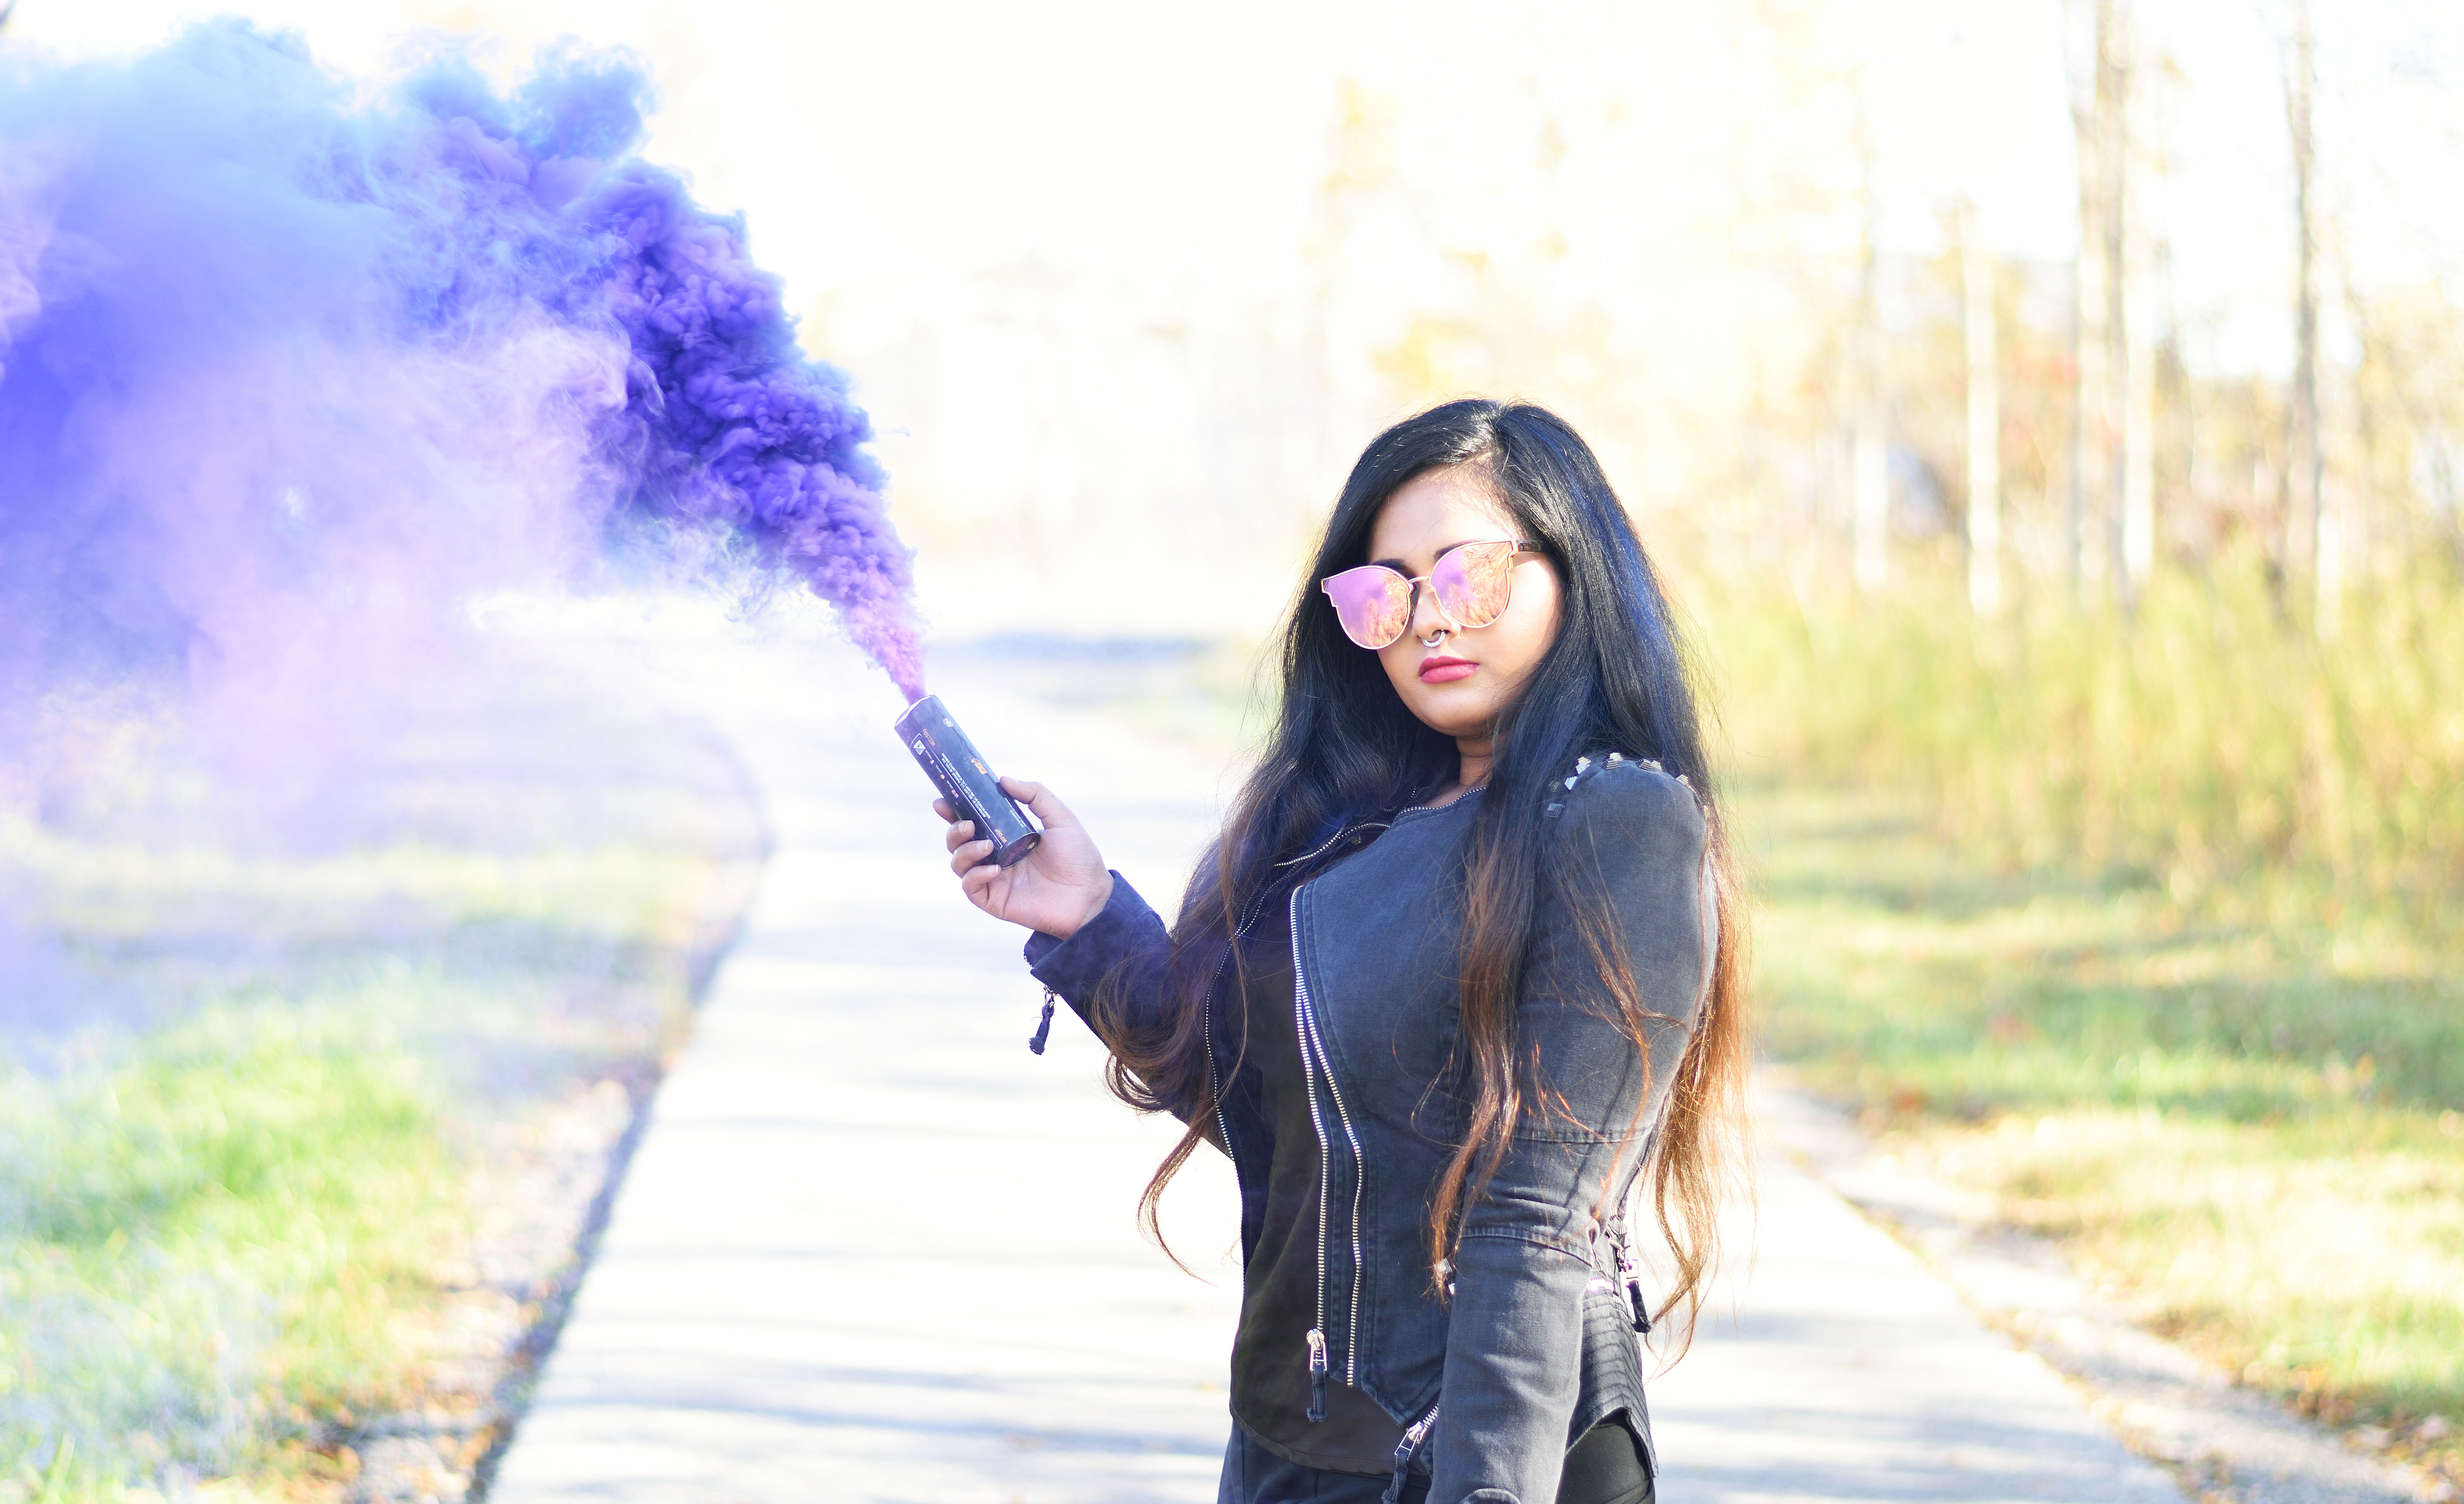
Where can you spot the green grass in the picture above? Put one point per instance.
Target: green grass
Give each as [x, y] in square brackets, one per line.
[2145, 927]
[1929, 979]
[217, 1241]
[246, 1079]
[2247, 1127]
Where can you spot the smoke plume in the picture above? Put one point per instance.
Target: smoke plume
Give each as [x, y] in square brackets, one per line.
[289, 370]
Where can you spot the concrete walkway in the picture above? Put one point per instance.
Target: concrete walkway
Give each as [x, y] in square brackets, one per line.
[871, 1249]
[1833, 1367]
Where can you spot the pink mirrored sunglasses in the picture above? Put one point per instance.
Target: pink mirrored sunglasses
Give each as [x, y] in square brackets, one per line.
[1470, 583]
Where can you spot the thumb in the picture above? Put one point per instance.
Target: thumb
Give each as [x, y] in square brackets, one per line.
[1041, 802]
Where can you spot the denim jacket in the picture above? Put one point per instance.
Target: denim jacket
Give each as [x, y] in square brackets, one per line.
[1533, 1342]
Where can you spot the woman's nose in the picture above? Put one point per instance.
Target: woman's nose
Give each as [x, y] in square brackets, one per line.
[1425, 616]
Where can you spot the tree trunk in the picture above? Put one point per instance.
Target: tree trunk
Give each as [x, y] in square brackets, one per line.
[2087, 305]
[2139, 303]
[2312, 536]
[2113, 151]
[1984, 425]
[1869, 466]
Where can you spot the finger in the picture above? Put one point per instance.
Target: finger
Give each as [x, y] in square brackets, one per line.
[964, 859]
[1043, 803]
[958, 834]
[941, 807]
[978, 885]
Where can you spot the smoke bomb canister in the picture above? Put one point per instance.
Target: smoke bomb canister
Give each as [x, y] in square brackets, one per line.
[959, 772]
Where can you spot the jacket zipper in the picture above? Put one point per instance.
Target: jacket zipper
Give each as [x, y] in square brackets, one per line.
[1314, 1059]
[1316, 1337]
[1404, 1451]
[1307, 1019]
[1320, 850]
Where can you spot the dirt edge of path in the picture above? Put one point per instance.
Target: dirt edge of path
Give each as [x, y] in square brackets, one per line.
[2222, 1442]
[542, 1188]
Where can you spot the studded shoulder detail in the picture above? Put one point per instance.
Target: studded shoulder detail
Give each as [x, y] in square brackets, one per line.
[1589, 767]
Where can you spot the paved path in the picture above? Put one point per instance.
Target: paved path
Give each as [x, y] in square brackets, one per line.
[1837, 1367]
[871, 1249]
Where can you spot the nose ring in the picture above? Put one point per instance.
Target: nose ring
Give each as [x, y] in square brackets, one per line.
[1437, 637]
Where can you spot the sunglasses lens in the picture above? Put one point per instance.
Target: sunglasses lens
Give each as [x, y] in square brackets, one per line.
[1474, 582]
[1372, 602]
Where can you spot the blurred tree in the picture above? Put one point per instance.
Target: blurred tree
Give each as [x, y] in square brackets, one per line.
[2303, 516]
[2088, 374]
[2112, 205]
[2141, 112]
[1984, 422]
[1870, 451]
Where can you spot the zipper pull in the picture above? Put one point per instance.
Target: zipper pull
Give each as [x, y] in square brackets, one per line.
[1044, 1025]
[1633, 1275]
[1317, 1375]
[1404, 1451]
[1634, 1292]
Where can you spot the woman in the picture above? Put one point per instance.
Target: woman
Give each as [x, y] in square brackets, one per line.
[1462, 966]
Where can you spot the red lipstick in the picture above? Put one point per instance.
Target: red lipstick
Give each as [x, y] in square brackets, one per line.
[1439, 668]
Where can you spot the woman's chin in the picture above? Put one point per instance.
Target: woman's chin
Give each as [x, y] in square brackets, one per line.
[1452, 712]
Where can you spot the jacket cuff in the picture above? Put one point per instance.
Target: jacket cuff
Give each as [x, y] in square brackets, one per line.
[1124, 927]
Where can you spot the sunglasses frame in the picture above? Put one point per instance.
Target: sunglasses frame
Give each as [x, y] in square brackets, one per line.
[1412, 583]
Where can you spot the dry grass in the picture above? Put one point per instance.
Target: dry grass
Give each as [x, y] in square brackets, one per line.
[2244, 1129]
[2149, 929]
[2210, 747]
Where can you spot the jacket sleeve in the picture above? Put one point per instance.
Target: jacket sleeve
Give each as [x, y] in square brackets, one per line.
[1127, 937]
[1514, 1338]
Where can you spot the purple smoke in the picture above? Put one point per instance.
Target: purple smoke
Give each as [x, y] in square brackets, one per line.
[286, 372]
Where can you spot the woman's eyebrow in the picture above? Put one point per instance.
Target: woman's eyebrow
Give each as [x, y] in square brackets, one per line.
[1403, 568]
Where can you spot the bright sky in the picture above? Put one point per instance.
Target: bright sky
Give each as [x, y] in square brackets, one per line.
[1168, 164]
[1176, 144]
[1125, 132]
[947, 137]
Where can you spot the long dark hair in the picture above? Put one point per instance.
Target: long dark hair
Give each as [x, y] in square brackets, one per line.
[1345, 748]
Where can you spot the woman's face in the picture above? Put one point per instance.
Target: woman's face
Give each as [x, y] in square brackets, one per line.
[1461, 686]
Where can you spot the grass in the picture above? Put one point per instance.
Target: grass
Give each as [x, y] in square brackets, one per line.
[217, 1242]
[1941, 983]
[2244, 1131]
[2209, 745]
[2145, 928]
[248, 1070]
